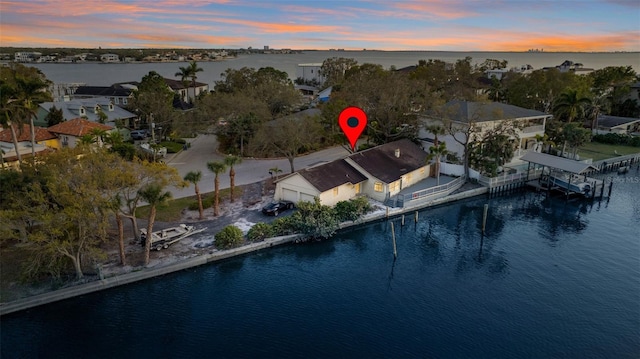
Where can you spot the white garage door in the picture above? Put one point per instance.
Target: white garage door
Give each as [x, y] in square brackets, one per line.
[306, 197]
[289, 195]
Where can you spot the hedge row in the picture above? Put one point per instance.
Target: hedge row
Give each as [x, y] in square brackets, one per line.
[617, 139]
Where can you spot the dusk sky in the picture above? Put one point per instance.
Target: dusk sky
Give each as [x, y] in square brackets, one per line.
[436, 25]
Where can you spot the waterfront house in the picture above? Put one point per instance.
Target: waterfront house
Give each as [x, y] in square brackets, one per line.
[44, 139]
[109, 58]
[89, 108]
[379, 173]
[185, 90]
[390, 167]
[619, 125]
[70, 132]
[483, 117]
[331, 182]
[310, 73]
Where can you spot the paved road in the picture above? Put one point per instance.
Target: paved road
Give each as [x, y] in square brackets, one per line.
[203, 150]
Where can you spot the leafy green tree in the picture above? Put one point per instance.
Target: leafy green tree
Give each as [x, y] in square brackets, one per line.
[54, 116]
[153, 101]
[217, 168]
[229, 237]
[315, 220]
[195, 177]
[333, 70]
[495, 148]
[231, 161]
[154, 195]
[575, 136]
[260, 231]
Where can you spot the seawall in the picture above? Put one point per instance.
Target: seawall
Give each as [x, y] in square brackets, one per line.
[146, 273]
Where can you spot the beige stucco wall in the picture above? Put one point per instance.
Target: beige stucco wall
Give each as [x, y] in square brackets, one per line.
[344, 193]
[295, 183]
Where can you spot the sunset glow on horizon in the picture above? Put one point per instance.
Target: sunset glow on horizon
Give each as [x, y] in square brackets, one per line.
[431, 25]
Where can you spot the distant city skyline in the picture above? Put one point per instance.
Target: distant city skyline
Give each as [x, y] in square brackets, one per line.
[431, 25]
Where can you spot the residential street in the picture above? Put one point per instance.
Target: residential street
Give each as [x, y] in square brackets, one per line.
[203, 150]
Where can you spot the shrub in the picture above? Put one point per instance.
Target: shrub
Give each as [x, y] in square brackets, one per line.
[229, 237]
[617, 139]
[284, 226]
[346, 211]
[260, 231]
[172, 147]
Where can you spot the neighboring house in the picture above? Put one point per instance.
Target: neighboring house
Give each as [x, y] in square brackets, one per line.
[117, 94]
[619, 125]
[70, 132]
[570, 66]
[89, 108]
[44, 141]
[391, 167]
[310, 73]
[109, 58]
[378, 172]
[186, 90]
[485, 116]
[332, 182]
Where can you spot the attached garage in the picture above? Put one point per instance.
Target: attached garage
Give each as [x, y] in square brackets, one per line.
[306, 197]
[289, 195]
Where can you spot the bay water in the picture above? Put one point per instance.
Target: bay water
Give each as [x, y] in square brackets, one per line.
[98, 74]
[550, 279]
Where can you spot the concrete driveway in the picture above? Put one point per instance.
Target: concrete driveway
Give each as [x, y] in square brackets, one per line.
[203, 150]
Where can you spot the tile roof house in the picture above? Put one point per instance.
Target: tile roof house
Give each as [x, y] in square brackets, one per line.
[43, 138]
[485, 116]
[69, 132]
[378, 172]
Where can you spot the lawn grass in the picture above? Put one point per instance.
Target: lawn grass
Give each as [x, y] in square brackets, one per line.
[600, 151]
[172, 210]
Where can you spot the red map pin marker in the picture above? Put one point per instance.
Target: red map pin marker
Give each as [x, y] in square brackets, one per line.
[352, 121]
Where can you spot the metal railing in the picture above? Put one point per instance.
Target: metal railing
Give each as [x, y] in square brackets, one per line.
[531, 129]
[431, 191]
[508, 178]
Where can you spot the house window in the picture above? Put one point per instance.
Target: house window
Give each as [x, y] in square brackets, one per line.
[392, 186]
[357, 187]
[422, 171]
[377, 187]
[335, 191]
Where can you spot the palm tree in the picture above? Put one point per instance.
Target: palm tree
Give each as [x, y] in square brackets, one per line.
[153, 194]
[570, 106]
[275, 170]
[189, 72]
[30, 92]
[230, 161]
[217, 168]
[195, 177]
[437, 130]
[437, 152]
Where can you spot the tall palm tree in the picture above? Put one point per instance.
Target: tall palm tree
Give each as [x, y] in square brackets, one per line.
[30, 92]
[436, 130]
[437, 152]
[195, 177]
[217, 168]
[191, 72]
[230, 161]
[570, 105]
[153, 194]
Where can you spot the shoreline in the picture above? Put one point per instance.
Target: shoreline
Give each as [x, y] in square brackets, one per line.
[213, 256]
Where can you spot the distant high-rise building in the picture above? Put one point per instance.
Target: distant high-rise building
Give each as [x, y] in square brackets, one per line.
[266, 47]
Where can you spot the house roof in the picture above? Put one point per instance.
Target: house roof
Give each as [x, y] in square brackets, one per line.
[614, 121]
[467, 111]
[77, 127]
[178, 85]
[71, 109]
[106, 91]
[556, 162]
[332, 174]
[24, 134]
[382, 163]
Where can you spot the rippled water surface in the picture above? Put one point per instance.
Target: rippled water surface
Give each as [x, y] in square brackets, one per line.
[550, 279]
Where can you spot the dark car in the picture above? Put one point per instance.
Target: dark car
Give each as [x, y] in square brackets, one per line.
[272, 209]
[139, 134]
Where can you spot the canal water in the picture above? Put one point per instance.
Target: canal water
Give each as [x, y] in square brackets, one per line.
[550, 279]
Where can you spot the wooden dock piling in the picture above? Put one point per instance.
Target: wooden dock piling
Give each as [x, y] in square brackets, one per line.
[484, 217]
[393, 238]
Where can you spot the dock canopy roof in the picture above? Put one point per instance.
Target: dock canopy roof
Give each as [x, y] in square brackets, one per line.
[556, 162]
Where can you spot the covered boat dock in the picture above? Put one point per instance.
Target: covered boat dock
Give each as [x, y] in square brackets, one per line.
[565, 175]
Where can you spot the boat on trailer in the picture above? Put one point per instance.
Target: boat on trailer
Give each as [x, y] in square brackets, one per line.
[168, 236]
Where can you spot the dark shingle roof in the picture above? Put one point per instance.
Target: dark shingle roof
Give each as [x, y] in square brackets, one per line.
[106, 91]
[382, 163]
[613, 121]
[466, 111]
[331, 175]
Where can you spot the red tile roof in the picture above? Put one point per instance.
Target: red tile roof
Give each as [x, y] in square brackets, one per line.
[77, 127]
[24, 134]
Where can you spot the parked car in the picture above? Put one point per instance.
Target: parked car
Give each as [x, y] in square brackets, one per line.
[273, 209]
[139, 134]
